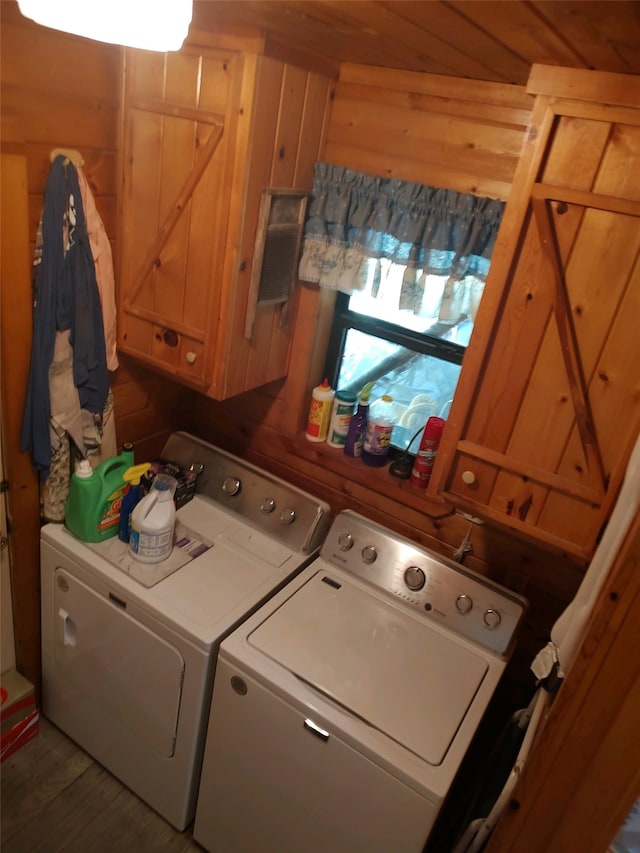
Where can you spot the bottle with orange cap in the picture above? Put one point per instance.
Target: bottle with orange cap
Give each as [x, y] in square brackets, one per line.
[320, 412]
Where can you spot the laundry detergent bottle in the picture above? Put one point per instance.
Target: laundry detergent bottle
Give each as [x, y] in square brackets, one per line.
[92, 512]
[152, 522]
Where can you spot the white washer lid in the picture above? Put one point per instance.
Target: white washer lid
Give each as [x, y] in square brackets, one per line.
[401, 676]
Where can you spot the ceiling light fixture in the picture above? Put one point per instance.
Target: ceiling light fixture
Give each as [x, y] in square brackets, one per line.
[144, 24]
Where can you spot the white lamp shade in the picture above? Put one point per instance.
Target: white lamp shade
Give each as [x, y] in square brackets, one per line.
[146, 24]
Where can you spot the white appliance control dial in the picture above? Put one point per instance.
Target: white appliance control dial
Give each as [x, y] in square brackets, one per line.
[463, 603]
[492, 618]
[288, 516]
[345, 541]
[267, 504]
[231, 485]
[414, 578]
[369, 554]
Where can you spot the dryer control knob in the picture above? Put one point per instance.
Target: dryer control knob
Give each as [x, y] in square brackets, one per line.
[464, 603]
[231, 486]
[287, 516]
[345, 541]
[492, 618]
[369, 554]
[267, 504]
[414, 578]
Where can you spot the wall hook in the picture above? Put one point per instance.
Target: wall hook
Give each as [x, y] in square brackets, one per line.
[70, 153]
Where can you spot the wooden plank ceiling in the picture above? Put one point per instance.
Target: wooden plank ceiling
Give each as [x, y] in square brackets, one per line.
[495, 40]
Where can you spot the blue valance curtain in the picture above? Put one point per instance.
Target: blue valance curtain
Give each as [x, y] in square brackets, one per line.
[355, 218]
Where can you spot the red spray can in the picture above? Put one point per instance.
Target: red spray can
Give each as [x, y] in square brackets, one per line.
[426, 455]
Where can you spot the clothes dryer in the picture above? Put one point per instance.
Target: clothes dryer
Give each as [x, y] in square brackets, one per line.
[129, 649]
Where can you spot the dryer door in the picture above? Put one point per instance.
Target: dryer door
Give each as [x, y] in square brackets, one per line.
[105, 659]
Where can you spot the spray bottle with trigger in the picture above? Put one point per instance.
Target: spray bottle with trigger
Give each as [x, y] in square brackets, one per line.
[131, 497]
[358, 424]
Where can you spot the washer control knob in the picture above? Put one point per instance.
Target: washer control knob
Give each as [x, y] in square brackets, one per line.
[492, 618]
[288, 516]
[267, 504]
[369, 554]
[464, 603]
[414, 578]
[231, 486]
[345, 541]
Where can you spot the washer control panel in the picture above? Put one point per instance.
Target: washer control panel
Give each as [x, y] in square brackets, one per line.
[438, 589]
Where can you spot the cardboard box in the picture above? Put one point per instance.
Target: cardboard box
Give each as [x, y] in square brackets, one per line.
[19, 715]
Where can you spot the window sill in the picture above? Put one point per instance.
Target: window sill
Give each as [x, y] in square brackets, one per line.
[378, 480]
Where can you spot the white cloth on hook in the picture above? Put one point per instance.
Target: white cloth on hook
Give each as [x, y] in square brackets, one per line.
[103, 261]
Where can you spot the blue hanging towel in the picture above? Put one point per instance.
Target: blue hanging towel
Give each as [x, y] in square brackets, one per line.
[66, 296]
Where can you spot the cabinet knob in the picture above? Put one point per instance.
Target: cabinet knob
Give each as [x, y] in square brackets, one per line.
[468, 477]
[170, 337]
[191, 358]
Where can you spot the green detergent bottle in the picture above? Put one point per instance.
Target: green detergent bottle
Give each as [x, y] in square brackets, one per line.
[95, 496]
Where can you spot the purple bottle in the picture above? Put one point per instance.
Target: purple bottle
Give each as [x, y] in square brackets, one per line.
[358, 424]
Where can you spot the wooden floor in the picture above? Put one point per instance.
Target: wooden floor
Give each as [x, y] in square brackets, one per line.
[56, 798]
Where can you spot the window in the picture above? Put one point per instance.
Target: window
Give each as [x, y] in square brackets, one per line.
[409, 262]
[407, 353]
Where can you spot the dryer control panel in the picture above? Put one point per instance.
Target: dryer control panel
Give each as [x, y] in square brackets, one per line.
[266, 503]
[439, 589]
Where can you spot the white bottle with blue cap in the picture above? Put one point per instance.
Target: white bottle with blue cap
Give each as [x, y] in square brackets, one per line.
[153, 520]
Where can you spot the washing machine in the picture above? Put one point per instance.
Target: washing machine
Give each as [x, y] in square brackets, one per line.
[343, 708]
[129, 649]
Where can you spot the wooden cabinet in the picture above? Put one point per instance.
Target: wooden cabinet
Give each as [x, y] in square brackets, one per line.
[548, 404]
[205, 129]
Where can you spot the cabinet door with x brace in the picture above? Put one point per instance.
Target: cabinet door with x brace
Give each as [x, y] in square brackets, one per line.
[548, 405]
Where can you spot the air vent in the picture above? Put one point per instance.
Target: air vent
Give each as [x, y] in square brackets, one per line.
[277, 249]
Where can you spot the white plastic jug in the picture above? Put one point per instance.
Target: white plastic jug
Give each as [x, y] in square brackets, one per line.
[377, 438]
[153, 520]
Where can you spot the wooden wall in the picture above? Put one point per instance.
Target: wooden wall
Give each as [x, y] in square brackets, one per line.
[443, 132]
[583, 775]
[448, 132]
[57, 91]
